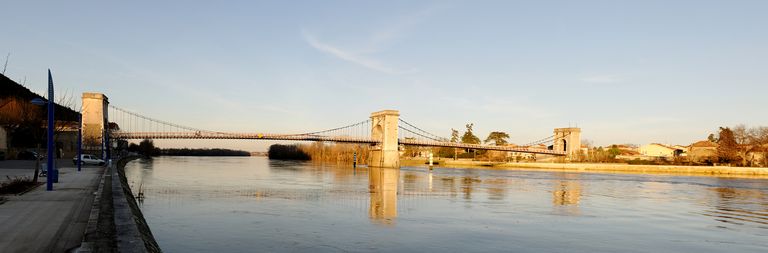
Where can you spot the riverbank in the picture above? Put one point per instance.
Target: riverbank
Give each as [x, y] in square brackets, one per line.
[116, 222]
[719, 171]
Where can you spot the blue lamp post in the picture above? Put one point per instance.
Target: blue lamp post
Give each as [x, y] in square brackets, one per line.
[50, 146]
[80, 141]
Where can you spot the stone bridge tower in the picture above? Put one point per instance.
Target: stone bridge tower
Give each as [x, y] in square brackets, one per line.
[568, 140]
[95, 123]
[384, 126]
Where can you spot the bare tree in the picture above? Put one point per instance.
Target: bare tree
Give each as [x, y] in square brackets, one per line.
[740, 134]
[758, 135]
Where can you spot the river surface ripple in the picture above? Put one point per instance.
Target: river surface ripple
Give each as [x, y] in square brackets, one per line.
[246, 204]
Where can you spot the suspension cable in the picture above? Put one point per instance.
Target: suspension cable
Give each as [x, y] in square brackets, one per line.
[422, 130]
[424, 136]
[334, 129]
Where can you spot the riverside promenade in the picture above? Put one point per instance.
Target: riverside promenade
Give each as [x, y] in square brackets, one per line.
[41, 221]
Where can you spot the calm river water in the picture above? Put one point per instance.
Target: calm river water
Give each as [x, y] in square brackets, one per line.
[247, 204]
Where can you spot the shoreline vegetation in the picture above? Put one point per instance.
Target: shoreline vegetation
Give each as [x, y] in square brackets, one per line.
[340, 153]
[343, 153]
[287, 152]
[147, 148]
[202, 152]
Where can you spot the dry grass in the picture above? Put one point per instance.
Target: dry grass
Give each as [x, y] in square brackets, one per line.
[16, 185]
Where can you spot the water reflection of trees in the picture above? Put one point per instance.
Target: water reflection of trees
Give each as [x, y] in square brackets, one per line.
[383, 190]
[468, 186]
[740, 206]
[567, 194]
[497, 188]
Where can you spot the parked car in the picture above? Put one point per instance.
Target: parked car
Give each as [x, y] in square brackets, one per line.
[88, 159]
[28, 155]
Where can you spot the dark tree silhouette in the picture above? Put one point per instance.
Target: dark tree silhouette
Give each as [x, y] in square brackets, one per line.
[727, 148]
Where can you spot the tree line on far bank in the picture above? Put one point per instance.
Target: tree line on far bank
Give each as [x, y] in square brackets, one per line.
[319, 151]
[496, 138]
[734, 145]
[356, 152]
[147, 148]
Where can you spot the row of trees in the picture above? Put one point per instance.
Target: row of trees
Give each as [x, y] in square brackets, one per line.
[498, 138]
[203, 152]
[319, 151]
[734, 145]
[147, 148]
[287, 152]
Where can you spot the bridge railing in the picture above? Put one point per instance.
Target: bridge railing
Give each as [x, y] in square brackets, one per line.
[480, 147]
[248, 136]
[306, 137]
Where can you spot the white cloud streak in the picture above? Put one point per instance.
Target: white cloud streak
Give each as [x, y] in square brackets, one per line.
[350, 56]
[375, 42]
[601, 79]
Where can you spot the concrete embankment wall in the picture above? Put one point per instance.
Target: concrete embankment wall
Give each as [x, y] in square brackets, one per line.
[116, 223]
[138, 224]
[721, 171]
[645, 169]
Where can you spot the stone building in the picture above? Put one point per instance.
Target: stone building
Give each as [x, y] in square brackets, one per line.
[703, 152]
[3, 143]
[660, 150]
[757, 156]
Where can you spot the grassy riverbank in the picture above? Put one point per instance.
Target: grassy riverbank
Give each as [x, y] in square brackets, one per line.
[720, 171]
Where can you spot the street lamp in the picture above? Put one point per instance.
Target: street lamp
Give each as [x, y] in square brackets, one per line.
[80, 140]
[50, 145]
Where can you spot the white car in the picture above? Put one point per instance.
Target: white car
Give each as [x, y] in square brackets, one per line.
[88, 159]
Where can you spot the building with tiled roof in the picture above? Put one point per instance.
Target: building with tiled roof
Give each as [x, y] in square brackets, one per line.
[703, 152]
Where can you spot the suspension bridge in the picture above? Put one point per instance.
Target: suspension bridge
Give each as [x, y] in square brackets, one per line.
[385, 131]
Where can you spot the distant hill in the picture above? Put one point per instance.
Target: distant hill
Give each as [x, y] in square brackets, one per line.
[11, 90]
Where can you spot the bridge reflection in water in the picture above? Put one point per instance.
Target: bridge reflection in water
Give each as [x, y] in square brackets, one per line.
[209, 204]
[383, 186]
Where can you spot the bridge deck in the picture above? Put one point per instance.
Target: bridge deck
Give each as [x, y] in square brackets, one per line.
[240, 136]
[304, 137]
[480, 147]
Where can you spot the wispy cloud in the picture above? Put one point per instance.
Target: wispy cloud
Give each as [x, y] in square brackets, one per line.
[350, 56]
[374, 43]
[602, 79]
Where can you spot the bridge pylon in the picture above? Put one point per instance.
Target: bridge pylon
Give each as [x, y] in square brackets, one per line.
[95, 123]
[568, 140]
[384, 126]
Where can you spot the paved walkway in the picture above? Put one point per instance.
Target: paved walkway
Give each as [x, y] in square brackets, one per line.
[41, 221]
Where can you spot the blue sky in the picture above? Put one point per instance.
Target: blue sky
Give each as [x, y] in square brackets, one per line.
[624, 71]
